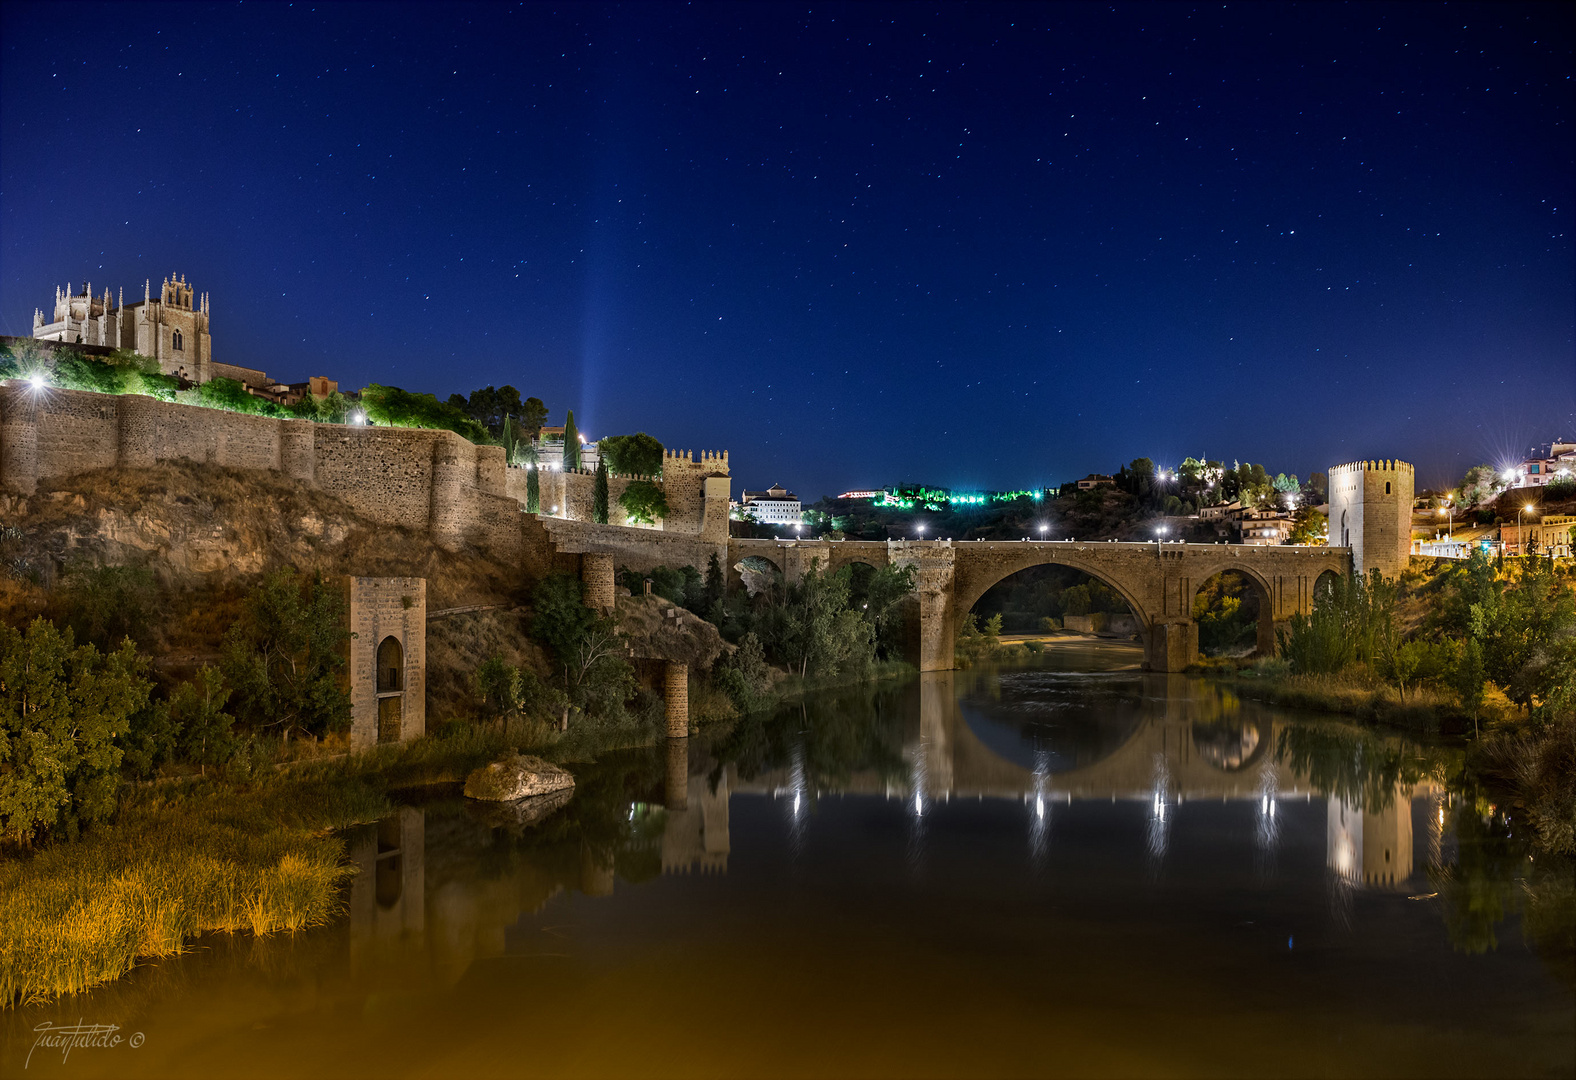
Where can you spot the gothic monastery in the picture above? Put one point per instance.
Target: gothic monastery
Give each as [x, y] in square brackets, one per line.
[172, 328]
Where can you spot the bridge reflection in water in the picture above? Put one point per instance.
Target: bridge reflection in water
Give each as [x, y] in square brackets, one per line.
[1115, 749]
[1046, 745]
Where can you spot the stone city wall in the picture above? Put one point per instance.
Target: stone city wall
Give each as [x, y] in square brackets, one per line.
[429, 480]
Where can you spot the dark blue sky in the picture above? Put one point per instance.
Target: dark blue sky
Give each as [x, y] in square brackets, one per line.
[966, 244]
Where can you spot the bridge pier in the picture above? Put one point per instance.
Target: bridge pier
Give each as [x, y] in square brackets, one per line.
[675, 699]
[1171, 646]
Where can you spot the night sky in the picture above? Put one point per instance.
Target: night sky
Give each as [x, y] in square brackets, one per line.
[977, 245]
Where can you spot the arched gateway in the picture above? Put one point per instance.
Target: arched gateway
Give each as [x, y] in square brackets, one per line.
[1158, 581]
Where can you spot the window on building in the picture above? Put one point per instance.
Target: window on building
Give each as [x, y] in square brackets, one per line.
[1387, 487]
[175, 341]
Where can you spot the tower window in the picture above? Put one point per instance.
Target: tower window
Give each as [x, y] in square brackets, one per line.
[176, 344]
[1386, 483]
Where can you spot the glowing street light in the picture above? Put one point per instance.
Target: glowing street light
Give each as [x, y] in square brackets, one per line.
[36, 382]
[1042, 531]
[1528, 508]
[358, 418]
[920, 529]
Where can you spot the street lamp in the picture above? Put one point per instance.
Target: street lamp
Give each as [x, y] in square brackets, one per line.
[1042, 531]
[1521, 548]
[1160, 533]
[36, 381]
[920, 529]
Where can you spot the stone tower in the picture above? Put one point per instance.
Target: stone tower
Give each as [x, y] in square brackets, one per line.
[1371, 513]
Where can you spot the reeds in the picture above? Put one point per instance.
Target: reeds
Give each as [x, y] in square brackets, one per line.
[171, 867]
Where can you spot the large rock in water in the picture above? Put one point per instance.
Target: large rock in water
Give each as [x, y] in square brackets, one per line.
[517, 777]
[520, 814]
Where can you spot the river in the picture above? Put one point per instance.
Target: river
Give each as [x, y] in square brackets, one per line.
[1069, 868]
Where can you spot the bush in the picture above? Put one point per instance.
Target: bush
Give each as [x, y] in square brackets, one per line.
[744, 676]
[61, 706]
[393, 407]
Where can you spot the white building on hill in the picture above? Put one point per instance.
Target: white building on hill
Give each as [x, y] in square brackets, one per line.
[774, 506]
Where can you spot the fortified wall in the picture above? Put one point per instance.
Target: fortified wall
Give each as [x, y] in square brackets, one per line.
[433, 481]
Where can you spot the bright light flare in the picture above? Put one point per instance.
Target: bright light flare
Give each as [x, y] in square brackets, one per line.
[36, 381]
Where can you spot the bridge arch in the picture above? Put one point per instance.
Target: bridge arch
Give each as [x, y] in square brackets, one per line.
[973, 581]
[1263, 590]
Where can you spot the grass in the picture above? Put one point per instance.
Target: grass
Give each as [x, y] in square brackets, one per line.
[173, 865]
[195, 856]
[1349, 693]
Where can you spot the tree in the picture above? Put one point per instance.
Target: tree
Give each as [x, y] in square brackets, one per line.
[1308, 527]
[599, 494]
[105, 604]
[533, 414]
[533, 482]
[632, 455]
[489, 406]
[571, 443]
[644, 502]
[61, 707]
[197, 712]
[586, 644]
[1480, 486]
[513, 441]
[716, 584]
[283, 657]
[391, 406]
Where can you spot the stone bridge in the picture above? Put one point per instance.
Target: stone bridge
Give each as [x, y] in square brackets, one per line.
[1158, 581]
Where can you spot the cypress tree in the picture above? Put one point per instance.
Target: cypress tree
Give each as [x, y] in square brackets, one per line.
[599, 494]
[533, 484]
[571, 443]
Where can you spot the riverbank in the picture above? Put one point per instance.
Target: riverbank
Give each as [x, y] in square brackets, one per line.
[196, 855]
[253, 849]
[1425, 710]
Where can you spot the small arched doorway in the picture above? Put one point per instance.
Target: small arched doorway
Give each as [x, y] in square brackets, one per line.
[391, 688]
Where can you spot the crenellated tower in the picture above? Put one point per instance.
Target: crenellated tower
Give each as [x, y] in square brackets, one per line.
[1371, 513]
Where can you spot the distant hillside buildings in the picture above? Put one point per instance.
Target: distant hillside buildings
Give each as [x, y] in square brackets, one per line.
[1545, 464]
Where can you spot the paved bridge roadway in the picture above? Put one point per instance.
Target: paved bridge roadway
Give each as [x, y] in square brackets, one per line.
[1158, 581]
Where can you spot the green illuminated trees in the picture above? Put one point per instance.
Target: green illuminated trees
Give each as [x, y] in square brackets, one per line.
[61, 706]
[283, 657]
[571, 443]
[632, 455]
[599, 494]
[643, 502]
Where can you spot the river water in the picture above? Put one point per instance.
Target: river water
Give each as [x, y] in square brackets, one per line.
[1069, 869]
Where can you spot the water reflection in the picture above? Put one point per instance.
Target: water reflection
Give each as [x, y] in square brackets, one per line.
[897, 841]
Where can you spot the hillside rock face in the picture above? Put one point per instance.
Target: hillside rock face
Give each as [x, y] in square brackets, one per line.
[658, 629]
[204, 526]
